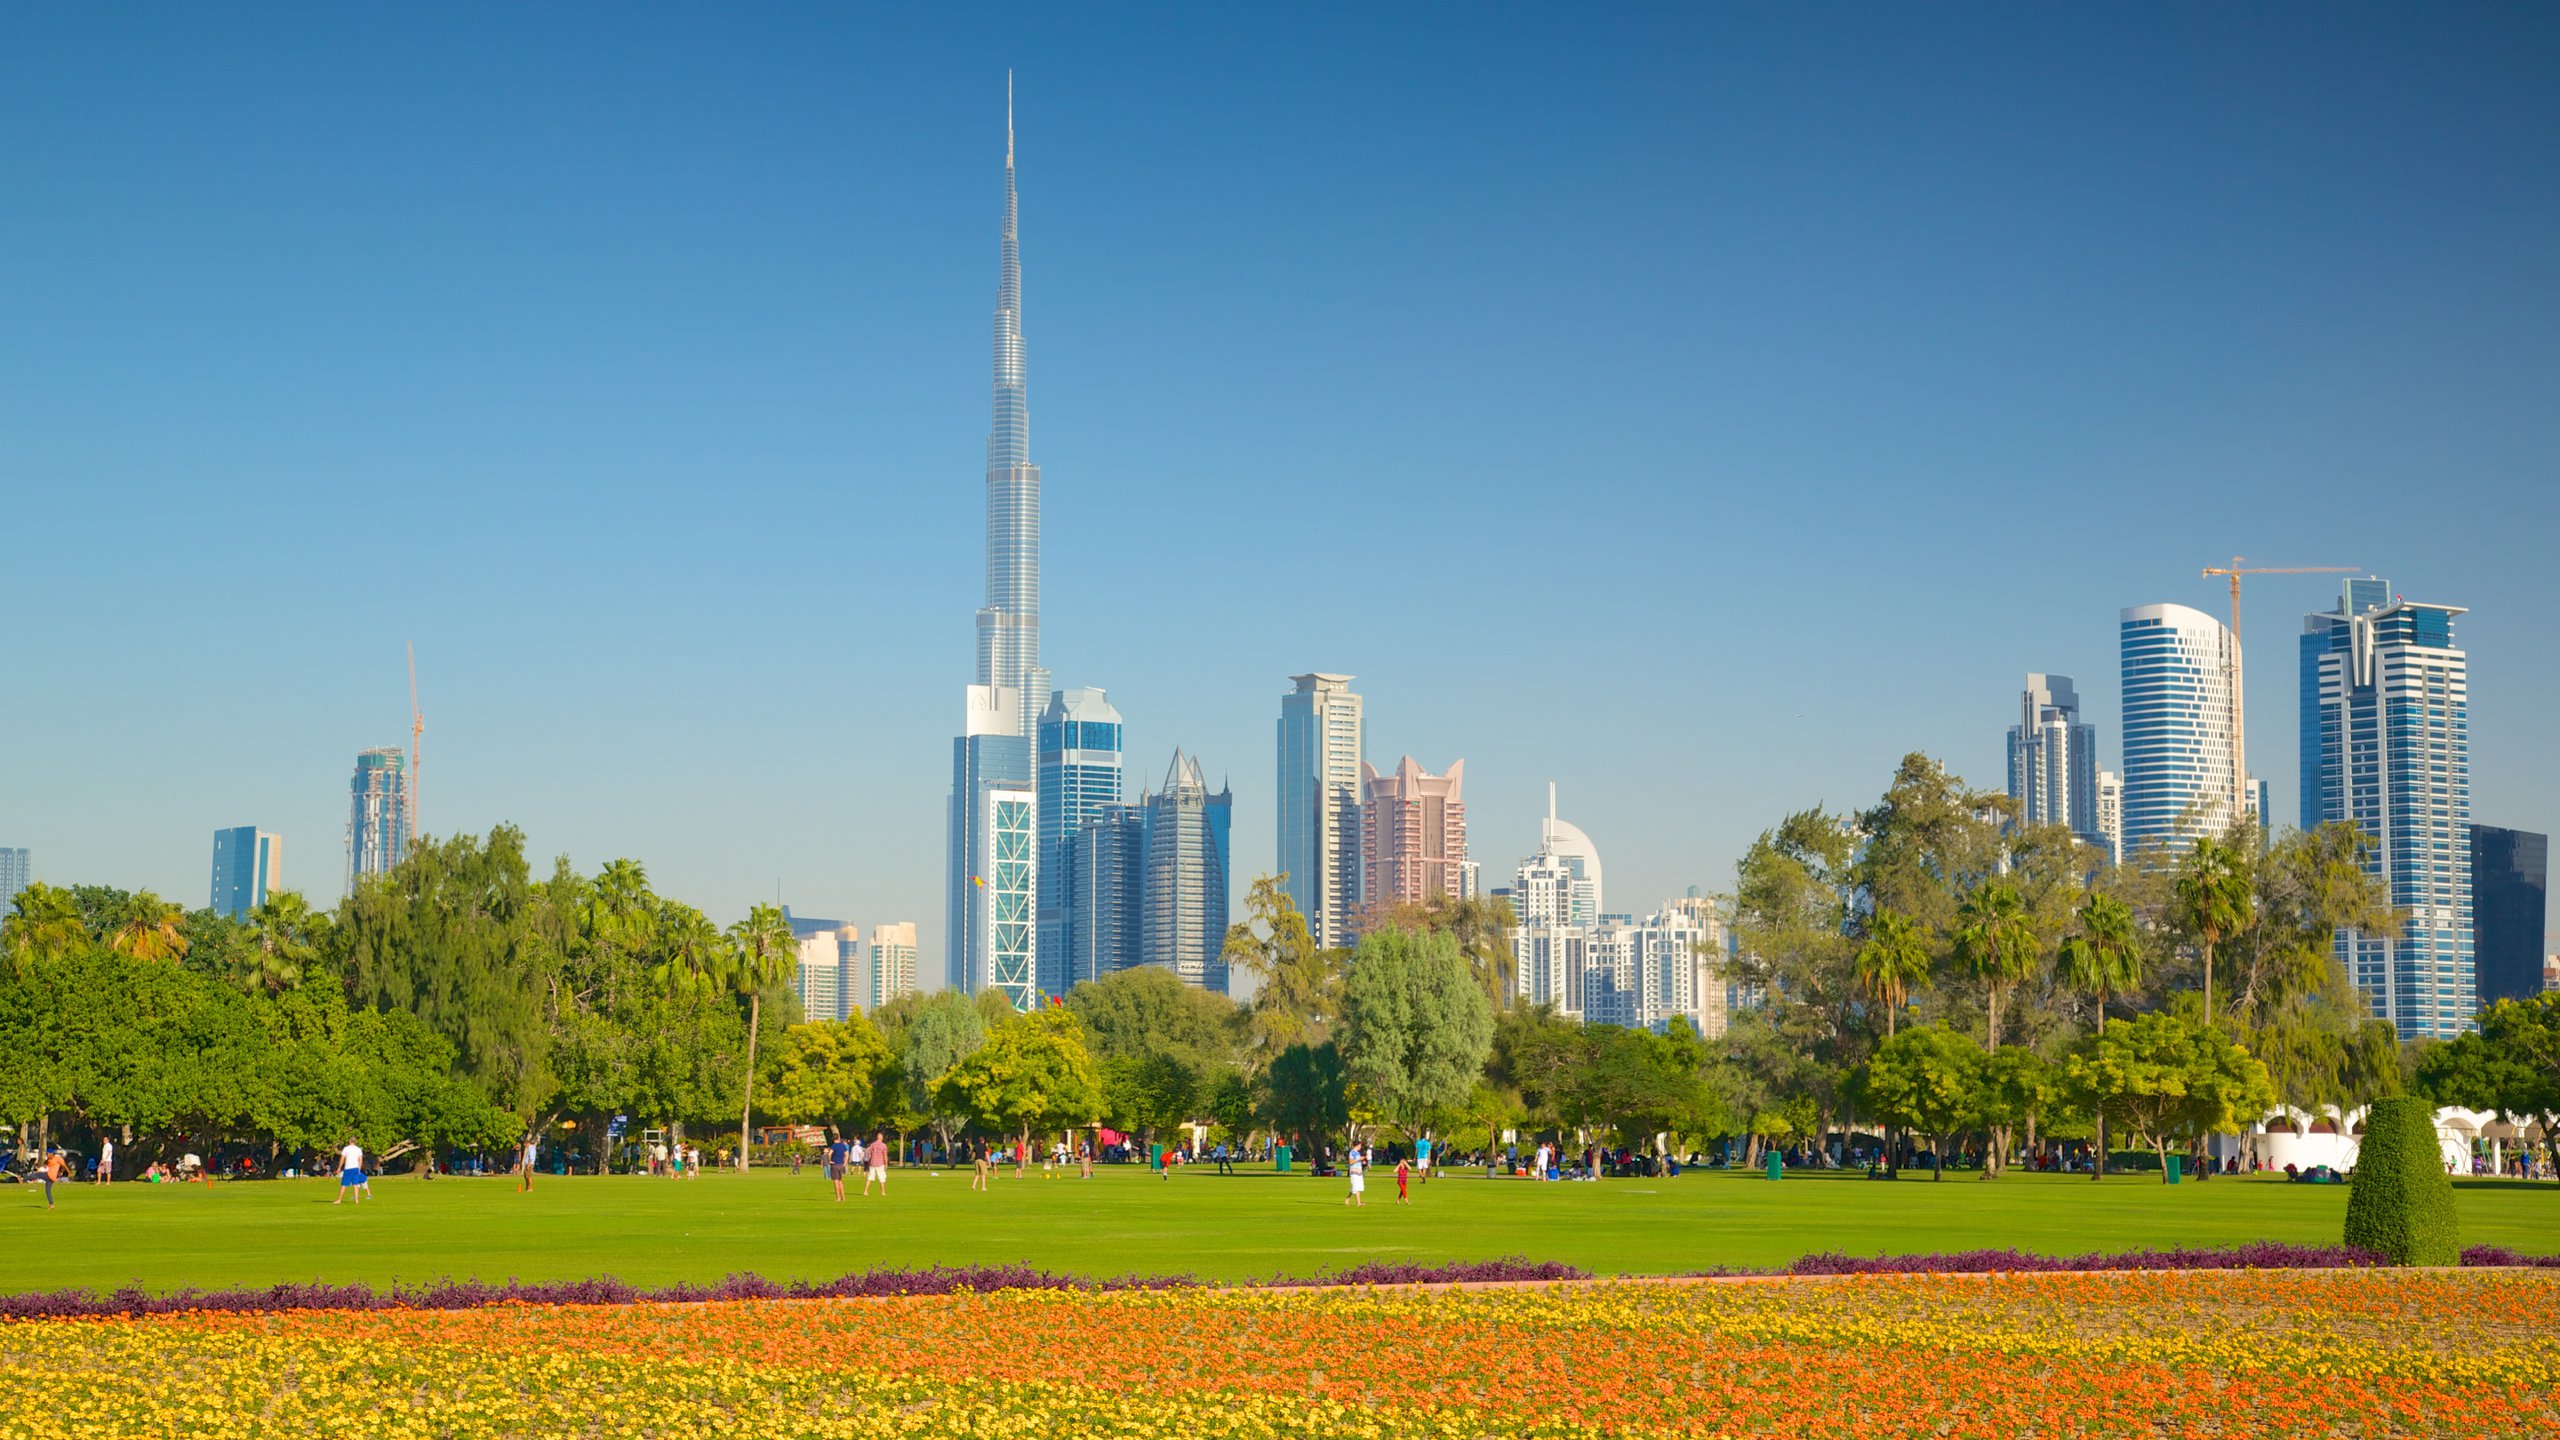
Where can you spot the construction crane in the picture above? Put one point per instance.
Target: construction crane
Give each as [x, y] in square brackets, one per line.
[2239, 728]
[417, 731]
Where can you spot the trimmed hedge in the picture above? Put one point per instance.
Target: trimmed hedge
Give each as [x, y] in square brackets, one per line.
[2401, 1203]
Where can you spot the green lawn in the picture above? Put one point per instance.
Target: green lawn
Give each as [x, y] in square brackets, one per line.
[1125, 1222]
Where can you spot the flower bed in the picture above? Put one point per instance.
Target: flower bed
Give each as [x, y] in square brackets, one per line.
[2365, 1352]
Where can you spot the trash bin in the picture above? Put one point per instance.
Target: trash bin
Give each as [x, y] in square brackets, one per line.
[2176, 1163]
[1155, 1157]
[1280, 1158]
[1777, 1165]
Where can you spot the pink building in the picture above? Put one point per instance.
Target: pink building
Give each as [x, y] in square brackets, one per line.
[1413, 832]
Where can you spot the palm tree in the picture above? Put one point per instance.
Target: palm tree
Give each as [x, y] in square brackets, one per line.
[2104, 959]
[43, 924]
[2213, 900]
[762, 953]
[1996, 942]
[150, 928]
[281, 930]
[691, 953]
[1892, 962]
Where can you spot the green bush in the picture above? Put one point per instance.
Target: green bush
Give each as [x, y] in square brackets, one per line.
[2401, 1206]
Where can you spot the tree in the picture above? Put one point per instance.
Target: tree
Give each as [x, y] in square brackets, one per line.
[1304, 1093]
[1481, 924]
[762, 954]
[1926, 1078]
[2166, 1079]
[2213, 899]
[943, 1030]
[1995, 942]
[284, 942]
[830, 1072]
[1416, 1024]
[2012, 1091]
[2103, 960]
[150, 928]
[2511, 1066]
[44, 924]
[1893, 960]
[1299, 990]
[1796, 892]
[1033, 1073]
[1148, 1010]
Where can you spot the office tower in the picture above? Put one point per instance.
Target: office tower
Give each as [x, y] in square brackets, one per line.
[378, 830]
[892, 971]
[1319, 791]
[2386, 730]
[991, 879]
[2181, 775]
[247, 865]
[1560, 885]
[1106, 862]
[1187, 831]
[1413, 833]
[2053, 759]
[1551, 964]
[17, 872]
[1078, 747]
[2111, 816]
[2510, 886]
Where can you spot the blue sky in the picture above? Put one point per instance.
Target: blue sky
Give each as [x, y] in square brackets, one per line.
[1697, 407]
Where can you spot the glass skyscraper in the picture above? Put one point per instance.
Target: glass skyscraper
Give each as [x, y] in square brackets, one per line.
[378, 826]
[1187, 848]
[1079, 744]
[1106, 867]
[246, 866]
[2386, 729]
[1319, 811]
[2180, 758]
[2510, 893]
[991, 879]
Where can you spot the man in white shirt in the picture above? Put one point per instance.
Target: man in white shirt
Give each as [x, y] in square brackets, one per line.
[106, 1161]
[351, 1174]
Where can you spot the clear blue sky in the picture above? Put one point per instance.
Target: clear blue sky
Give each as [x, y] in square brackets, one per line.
[1698, 407]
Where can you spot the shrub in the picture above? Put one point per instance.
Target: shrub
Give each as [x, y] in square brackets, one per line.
[2401, 1206]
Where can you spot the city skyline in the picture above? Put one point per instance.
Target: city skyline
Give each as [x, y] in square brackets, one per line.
[366, 326]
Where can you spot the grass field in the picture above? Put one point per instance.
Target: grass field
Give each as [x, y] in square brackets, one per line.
[1252, 1226]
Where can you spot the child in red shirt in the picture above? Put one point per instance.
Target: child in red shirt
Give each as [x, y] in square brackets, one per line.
[1404, 1171]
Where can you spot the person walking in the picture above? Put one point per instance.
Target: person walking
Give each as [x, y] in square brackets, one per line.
[1404, 1172]
[1357, 1164]
[532, 1151]
[876, 1166]
[1422, 1158]
[839, 1155]
[351, 1173]
[978, 1152]
[106, 1161]
[1220, 1153]
[1084, 1157]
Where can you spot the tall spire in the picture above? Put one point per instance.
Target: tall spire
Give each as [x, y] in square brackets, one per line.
[1009, 625]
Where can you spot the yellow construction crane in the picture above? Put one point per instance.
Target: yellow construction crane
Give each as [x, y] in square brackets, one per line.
[417, 731]
[2239, 729]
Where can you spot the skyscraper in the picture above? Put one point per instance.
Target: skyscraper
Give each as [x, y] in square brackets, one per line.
[1414, 833]
[892, 971]
[829, 970]
[1079, 763]
[1319, 810]
[1106, 865]
[2510, 891]
[1187, 830]
[378, 827]
[1560, 885]
[2179, 758]
[247, 863]
[2053, 759]
[17, 871]
[993, 856]
[2111, 816]
[2386, 729]
[1009, 623]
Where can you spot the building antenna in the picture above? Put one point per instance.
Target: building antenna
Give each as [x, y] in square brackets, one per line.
[417, 732]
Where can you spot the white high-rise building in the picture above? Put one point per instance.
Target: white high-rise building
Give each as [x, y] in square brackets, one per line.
[2111, 815]
[892, 971]
[2181, 752]
[822, 982]
[2053, 759]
